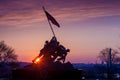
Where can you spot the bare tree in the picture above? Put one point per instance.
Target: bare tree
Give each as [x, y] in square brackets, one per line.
[117, 60]
[7, 54]
[104, 55]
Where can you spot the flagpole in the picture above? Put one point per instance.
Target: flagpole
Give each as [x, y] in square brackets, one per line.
[51, 28]
[49, 23]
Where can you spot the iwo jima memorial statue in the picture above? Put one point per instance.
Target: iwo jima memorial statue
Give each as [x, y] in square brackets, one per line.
[50, 63]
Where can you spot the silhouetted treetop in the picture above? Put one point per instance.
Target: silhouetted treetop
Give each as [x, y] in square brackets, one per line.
[7, 54]
[104, 55]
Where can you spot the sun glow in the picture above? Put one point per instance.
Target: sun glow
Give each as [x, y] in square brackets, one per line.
[37, 60]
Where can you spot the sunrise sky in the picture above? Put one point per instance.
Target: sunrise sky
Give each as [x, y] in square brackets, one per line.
[87, 26]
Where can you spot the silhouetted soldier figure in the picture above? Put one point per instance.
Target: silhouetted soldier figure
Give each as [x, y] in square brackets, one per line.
[53, 47]
[43, 51]
[62, 53]
[49, 50]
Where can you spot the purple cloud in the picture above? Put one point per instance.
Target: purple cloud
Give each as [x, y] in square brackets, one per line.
[30, 11]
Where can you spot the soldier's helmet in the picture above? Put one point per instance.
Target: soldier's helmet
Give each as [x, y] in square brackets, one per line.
[68, 50]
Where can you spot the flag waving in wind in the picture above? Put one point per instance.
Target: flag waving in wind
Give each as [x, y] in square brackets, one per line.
[51, 18]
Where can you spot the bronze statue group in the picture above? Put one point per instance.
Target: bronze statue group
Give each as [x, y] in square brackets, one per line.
[53, 51]
[51, 65]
